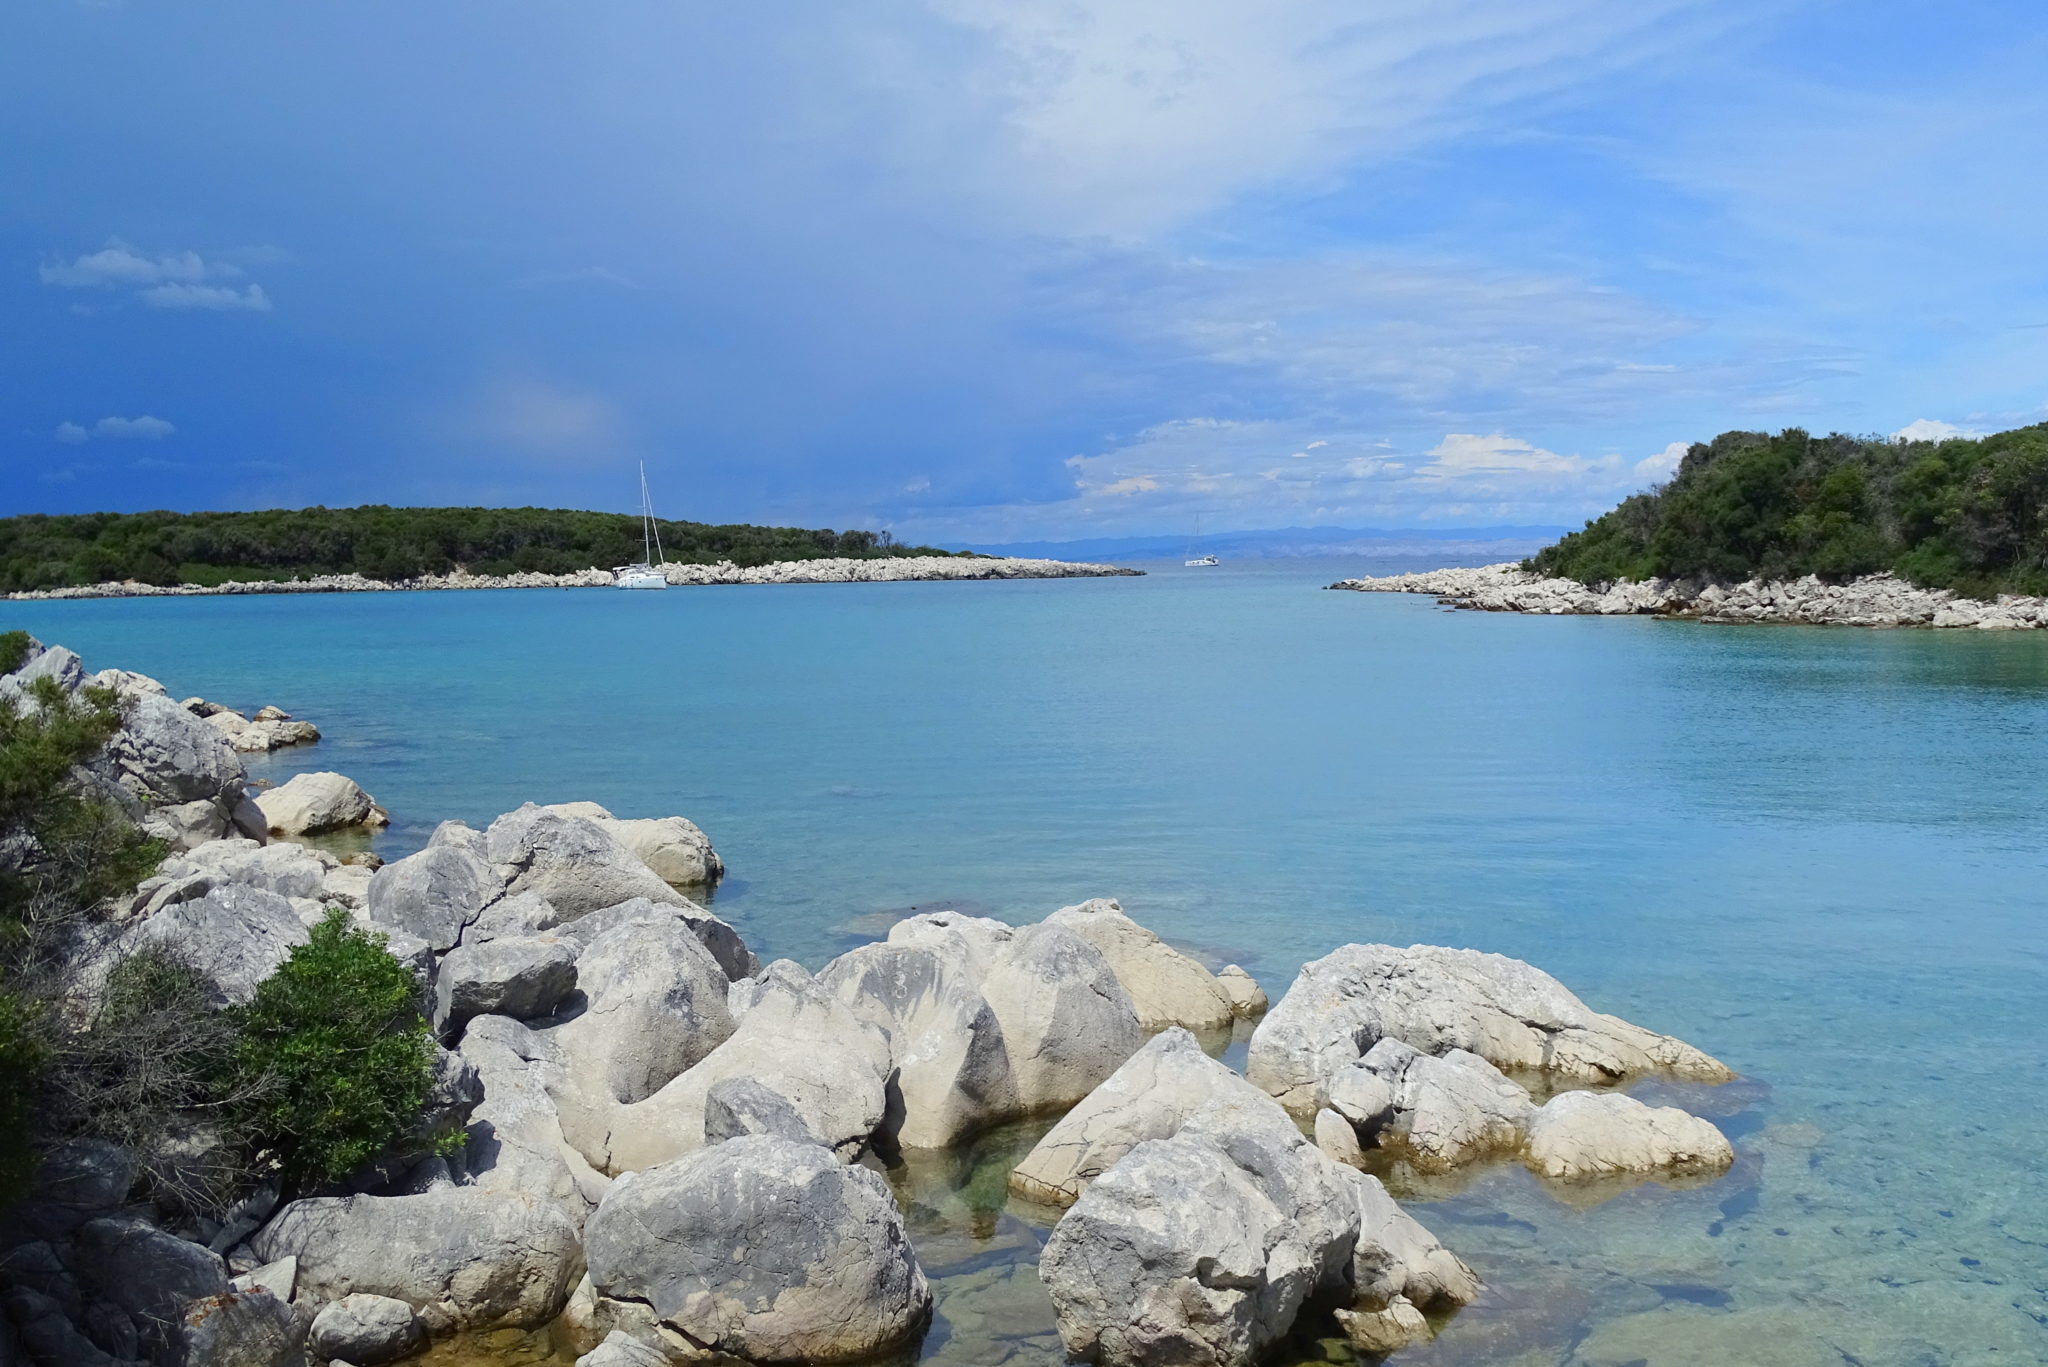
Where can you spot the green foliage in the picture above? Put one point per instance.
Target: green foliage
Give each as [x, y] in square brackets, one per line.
[24, 1059]
[15, 648]
[1966, 515]
[39, 551]
[334, 1053]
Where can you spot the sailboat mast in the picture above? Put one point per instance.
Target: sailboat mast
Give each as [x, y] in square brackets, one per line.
[646, 520]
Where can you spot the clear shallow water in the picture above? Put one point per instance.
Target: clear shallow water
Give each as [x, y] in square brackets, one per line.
[1820, 854]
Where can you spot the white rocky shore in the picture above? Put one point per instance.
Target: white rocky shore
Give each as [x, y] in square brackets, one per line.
[1878, 600]
[830, 571]
[666, 1152]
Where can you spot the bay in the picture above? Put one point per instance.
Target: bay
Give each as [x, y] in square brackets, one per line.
[1822, 855]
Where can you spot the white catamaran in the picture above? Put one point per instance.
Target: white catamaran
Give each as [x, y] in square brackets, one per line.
[1193, 559]
[648, 574]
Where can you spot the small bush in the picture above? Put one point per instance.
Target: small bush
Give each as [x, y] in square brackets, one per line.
[14, 649]
[333, 1053]
[23, 1059]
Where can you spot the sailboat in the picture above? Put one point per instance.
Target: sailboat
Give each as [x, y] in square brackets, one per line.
[648, 574]
[1193, 559]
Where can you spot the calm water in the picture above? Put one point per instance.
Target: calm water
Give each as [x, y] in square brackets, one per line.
[1821, 855]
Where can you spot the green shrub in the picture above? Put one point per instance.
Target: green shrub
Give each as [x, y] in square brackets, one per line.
[14, 649]
[23, 1060]
[333, 1053]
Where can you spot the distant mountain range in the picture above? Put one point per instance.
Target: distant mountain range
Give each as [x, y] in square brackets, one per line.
[1499, 543]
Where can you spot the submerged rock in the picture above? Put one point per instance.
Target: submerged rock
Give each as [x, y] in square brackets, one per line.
[1516, 1017]
[762, 1249]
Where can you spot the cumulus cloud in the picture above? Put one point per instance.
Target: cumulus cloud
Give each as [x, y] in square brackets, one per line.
[1931, 429]
[143, 428]
[167, 280]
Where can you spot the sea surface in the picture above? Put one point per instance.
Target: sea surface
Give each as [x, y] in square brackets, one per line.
[1820, 854]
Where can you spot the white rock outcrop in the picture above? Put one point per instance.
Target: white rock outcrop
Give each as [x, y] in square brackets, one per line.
[1580, 1136]
[314, 803]
[1166, 986]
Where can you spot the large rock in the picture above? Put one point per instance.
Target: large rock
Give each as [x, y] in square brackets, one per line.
[621, 1349]
[149, 1274]
[1150, 1097]
[1201, 1249]
[952, 1070]
[654, 1005]
[975, 942]
[165, 755]
[287, 870]
[461, 1257]
[1396, 1257]
[236, 935]
[762, 1249]
[516, 1145]
[1443, 1112]
[1067, 1022]
[721, 939]
[572, 861]
[1516, 1017]
[433, 894]
[367, 1330]
[311, 803]
[796, 1039]
[243, 1329]
[1578, 1136]
[1166, 986]
[677, 851]
[520, 978]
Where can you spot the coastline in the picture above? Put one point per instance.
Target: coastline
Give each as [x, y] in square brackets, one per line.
[836, 570]
[1878, 600]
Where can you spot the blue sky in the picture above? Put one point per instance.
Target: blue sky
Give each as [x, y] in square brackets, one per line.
[1001, 269]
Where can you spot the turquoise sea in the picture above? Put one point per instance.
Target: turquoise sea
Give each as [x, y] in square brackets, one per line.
[1820, 854]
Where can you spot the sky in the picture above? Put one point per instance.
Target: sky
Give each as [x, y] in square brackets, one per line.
[989, 270]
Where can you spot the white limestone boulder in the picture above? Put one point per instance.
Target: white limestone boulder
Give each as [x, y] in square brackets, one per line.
[1247, 998]
[1166, 986]
[313, 803]
[654, 1004]
[760, 1250]
[515, 1143]
[1581, 1136]
[952, 1071]
[721, 939]
[1067, 1022]
[523, 978]
[434, 894]
[1445, 1112]
[1514, 1016]
[367, 1330]
[235, 934]
[1150, 1096]
[975, 942]
[575, 863]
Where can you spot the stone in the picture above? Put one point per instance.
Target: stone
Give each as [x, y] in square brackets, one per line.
[622, 1350]
[243, 1329]
[1516, 1017]
[1247, 998]
[433, 894]
[1067, 1022]
[573, 862]
[1335, 1137]
[1166, 986]
[463, 1258]
[127, 683]
[1201, 1249]
[675, 849]
[347, 885]
[1447, 1111]
[86, 1174]
[164, 754]
[952, 1070]
[974, 941]
[150, 1274]
[1361, 1096]
[1577, 1136]
[272, 714]
[461, 835]
[520, 978]
[1394, 1257]
[278, 1278]
[516, 1146]
[236, 935]
[797, 1040]
[1149, 1097]
[721, 939]
[367, 1330]
[654, 1004]
[287, 870]
[188, 825]
[313, 803]
[738, 1106]
[520, 915]
[763, 1249]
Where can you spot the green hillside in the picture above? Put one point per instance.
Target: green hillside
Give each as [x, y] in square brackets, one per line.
[40, 552]
[1965, 515]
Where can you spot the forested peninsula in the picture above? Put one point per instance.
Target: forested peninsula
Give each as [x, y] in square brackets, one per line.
[40, 551]
[1970, 516]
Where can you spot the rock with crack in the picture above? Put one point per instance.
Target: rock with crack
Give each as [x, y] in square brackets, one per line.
[1067, 1022]
[515, 1145]
[1581, 1136]
[952, 1070]
[1150, 1097]
[1166, 986]
[434, 894]
[1439, 1113]
[763, 1250]
[654, 1004]
[721, 939]
[462, 1258]
[1201, 1249]
[572, 861]
[1518, 1018]
[796, 1039]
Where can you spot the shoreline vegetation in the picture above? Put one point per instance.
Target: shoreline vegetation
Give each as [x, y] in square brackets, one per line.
[822, 570]
[520, 1083]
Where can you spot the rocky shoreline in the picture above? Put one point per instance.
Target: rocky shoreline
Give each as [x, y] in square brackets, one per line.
[658, 1150]
[1878, 600]
[837, 570]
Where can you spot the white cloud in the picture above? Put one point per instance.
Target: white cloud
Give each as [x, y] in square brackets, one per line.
[1931, 429]
[225, 298]
[1463, 454]
[537, 417]
[171, 280]
[143, 428]
[1662, 466]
